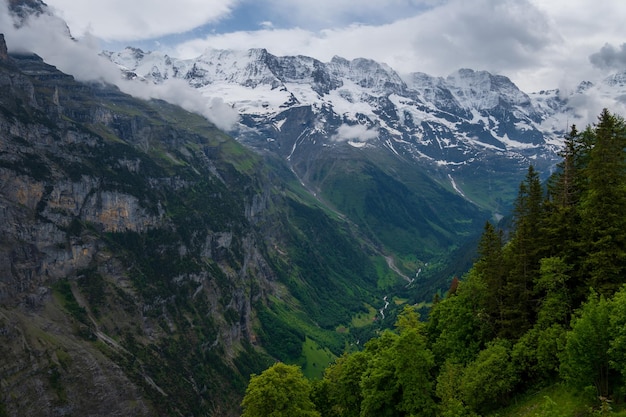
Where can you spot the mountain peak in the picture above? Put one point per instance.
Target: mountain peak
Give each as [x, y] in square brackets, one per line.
[22, 9]
[483, 90]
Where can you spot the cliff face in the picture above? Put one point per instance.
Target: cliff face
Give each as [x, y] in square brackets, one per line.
[4, 56]
[148, 262]
[129, 263]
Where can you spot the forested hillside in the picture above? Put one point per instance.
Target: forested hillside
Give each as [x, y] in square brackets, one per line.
[544, 304]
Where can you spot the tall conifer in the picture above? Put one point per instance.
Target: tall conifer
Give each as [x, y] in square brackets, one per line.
[524, 253]
[603, 206]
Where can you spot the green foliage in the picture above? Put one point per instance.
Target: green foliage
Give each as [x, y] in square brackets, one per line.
[617, 330]
[64, 289]
[92, 284]
[391, 376]
[523, 255]
[552, 281]
[55, 380]
[586, 359]
[449, 381]
[282, 341]
[394, 205]
[488, 380]
[316, 359]
[344, 384]
[279, 391]
[603, 205]
[458, 326]
[327, 272]
[523, 292]
[413, 364]
[379, 385]
[537, 354]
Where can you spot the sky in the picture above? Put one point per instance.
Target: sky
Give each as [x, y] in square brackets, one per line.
[539, 44]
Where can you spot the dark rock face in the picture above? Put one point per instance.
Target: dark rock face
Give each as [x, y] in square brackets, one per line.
[120, 233]
[4, 55]
[21, 9]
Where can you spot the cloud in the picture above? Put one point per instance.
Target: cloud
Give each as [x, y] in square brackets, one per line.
[538, 44]
[138, 19]
[496, 35]
[503, 36]
[178, 92]
[357, 133]
[47, 37]
[610, 57]
[324, 14]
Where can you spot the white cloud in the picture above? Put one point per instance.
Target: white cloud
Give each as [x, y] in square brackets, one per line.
[46, 36]
[539, 44]
[178, 92]
[535, 45]
[610, 57]
[323, 14]
[138, 19]
[357, 133]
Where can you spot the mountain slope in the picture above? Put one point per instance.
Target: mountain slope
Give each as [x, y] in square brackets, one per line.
[355, 132]
[412, 163]
[462, 127]
[150, 262]
[480, 112]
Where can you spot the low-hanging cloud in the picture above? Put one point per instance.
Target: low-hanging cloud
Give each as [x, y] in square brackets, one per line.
[48, 37]
[178, 92]
[357, 133]
[610, 57]
[139, 19]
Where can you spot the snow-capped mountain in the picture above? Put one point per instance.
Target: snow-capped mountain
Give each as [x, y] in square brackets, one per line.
[470, 121]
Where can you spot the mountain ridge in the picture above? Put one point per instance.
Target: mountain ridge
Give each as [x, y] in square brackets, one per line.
[348, 125]
[469, 115]
[150, 262]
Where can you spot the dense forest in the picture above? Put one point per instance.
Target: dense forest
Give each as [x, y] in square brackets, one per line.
[544, 304]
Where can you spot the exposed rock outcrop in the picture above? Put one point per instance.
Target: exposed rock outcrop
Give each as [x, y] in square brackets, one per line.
[117, 240]
[149, 263]
[4, 55]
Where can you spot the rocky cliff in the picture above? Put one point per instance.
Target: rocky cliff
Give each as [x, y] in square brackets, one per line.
[148, 262]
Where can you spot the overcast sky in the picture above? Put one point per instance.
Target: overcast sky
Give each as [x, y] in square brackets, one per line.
[539, 44]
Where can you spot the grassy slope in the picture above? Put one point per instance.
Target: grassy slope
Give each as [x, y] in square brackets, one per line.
[554, 401]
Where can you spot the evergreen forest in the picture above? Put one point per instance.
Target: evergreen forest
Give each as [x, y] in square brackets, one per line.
[539, 318]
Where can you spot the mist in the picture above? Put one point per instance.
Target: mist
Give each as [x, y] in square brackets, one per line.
[49, 37]
[358, 133]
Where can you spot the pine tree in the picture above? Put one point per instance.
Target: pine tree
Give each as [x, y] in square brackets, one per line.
[561, 225]
[491, 271]
[603, 206]
[564, 187]
[524, 252]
